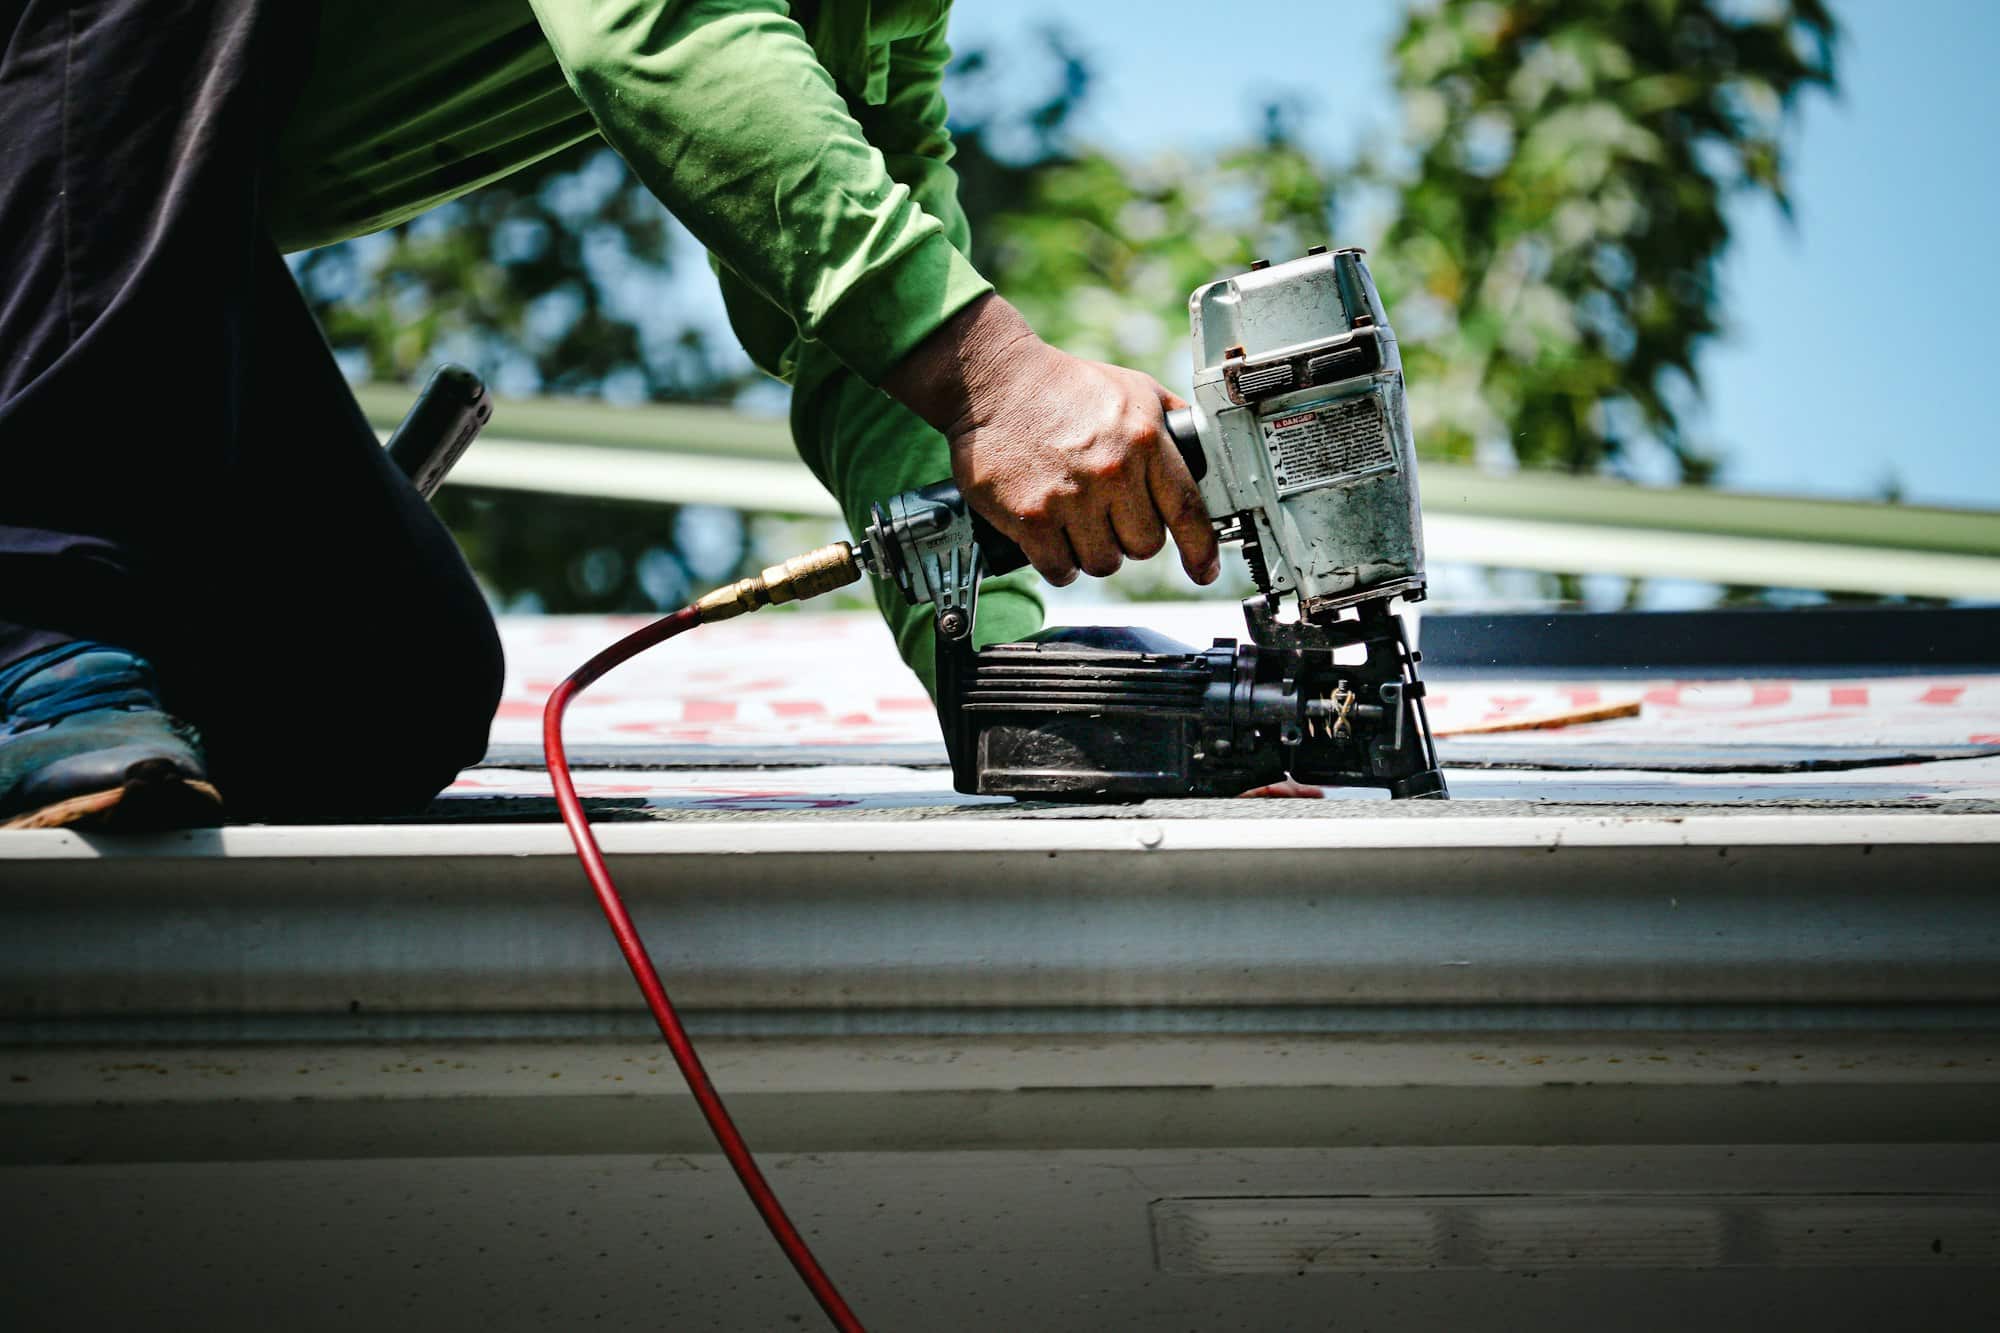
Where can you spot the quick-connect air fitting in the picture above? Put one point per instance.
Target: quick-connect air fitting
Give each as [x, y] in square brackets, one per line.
[799, 578]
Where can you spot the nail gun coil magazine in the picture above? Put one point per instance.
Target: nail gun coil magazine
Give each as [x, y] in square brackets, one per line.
[1316, 466]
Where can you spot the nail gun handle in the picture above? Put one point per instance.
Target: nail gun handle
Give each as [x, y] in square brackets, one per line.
[1002, 556]
[1181, 430]
[998, 554]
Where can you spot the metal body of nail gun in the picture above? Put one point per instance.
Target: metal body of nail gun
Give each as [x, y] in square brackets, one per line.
[1301, 444]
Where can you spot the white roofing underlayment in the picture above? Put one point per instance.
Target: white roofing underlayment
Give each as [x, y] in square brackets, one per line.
[816, 685]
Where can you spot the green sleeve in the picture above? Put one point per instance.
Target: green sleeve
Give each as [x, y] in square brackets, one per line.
[725, 112]
[862, 444]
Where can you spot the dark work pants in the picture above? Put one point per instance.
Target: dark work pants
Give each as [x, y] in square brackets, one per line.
[183, 470]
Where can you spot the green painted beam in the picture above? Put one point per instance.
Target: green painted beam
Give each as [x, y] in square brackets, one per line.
[681, 428]
[1448, 488]
[1561, 498]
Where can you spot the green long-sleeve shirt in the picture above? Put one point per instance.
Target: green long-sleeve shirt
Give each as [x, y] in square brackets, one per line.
[767, 141]
[803, 144]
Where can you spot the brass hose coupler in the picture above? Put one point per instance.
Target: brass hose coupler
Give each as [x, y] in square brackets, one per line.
[799, 578]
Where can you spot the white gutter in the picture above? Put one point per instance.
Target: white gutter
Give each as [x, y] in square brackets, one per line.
[940, 917]
[749, 841]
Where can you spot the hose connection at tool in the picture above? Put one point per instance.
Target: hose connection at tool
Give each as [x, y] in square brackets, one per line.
[801, 577]
[797, 579]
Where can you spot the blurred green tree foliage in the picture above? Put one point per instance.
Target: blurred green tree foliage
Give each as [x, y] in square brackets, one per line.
[1563, 204]
[1559, 208]
[1557, 211]
[555, 280]
[1100, 252]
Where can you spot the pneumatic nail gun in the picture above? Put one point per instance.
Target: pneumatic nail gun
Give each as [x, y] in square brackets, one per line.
[1301, 445]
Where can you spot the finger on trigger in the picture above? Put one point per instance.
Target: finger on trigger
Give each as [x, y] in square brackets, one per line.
[1050, 554]
[1179, 503]
[1135, 521]
[1096, 547]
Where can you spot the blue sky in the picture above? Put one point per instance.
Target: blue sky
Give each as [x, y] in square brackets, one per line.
[1860, 338]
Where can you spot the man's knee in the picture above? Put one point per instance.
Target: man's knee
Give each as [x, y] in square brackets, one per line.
[384, 738]
[433, 719]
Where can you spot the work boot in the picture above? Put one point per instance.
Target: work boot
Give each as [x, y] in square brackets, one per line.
[85, 744]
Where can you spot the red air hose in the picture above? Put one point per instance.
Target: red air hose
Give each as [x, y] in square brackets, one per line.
[634, 949]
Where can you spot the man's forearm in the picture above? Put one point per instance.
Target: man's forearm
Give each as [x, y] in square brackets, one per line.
[940, 379]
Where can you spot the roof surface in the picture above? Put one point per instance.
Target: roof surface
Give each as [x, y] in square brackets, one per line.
[813, 713]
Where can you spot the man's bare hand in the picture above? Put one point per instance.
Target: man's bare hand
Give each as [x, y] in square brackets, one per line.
[1068, 458]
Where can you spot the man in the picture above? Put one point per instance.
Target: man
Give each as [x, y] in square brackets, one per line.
[211, 580]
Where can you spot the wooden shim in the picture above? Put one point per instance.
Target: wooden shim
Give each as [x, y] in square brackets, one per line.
[1549, 721]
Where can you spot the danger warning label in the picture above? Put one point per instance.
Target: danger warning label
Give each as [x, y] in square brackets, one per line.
[1326, 443]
